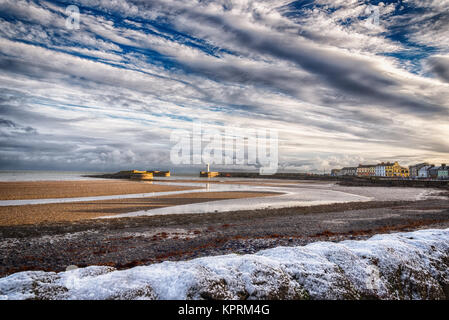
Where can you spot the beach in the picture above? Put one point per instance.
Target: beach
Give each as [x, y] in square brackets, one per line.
[52, 236]
[71, 189]
[80, 210]
[126, 242]
[75, 211]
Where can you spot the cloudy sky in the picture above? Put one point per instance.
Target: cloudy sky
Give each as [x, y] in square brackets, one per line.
[343, 81]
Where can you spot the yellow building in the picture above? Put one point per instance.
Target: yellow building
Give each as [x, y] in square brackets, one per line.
[160, 173]
[403, 172]
[209, 174]
[394, 170]
[141, 175]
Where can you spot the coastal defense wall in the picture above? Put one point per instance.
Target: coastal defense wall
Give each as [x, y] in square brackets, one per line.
[341, 180]
[160, 173]
[142, 176]
[133, 175]
[210, 174]
[254, 175]
[372, 182]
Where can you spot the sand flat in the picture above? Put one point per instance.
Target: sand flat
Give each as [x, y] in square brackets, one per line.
[247, 181]
[82, 188]
[75, 211]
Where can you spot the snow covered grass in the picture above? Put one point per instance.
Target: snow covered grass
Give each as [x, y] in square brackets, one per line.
[393, 266]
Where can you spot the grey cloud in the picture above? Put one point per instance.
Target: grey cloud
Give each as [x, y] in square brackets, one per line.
[349, 75]
[93, 116]
[439, 65]
[353, 81]
[11, 128]
[7, 123]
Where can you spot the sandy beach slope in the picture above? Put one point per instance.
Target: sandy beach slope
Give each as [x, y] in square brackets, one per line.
[75, 211]
[82, 188]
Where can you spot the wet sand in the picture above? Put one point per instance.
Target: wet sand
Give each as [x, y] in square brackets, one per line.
[53, 236]
[75, 211]
[128, 242]
[249, 182]
[82, 188]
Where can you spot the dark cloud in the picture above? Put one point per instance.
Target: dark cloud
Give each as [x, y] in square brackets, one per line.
[7, 123]
[439, 65]
[14, 128]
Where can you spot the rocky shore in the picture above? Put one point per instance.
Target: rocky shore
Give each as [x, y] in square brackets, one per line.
[128, 242]
[400, 266]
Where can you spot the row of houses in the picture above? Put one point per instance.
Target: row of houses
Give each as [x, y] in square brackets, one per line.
[426, 171]
[395, 170]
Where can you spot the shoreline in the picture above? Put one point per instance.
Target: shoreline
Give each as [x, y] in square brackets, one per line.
[120, 199]
[53, 236]
[27, 190]
[128, 242]
[82, 210]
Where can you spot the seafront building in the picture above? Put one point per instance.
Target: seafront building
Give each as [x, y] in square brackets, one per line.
[424, 171]
[443, 172]
[395, 170]
[381, 169]
[335, 172]
[433, 172]
[348, 171]
[414, 170]
[367, 170]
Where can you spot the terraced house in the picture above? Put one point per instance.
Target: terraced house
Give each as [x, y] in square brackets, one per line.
[366, 170]
[433, 172]
[335, 172]
[424, 172]
[414, 170]
[394, 170]
[380, 170]
[403, 172]
[443, 172]
[348, 171]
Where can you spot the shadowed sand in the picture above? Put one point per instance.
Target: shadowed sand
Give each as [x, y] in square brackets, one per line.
[88, 188]
[72, 189]
[74, 211]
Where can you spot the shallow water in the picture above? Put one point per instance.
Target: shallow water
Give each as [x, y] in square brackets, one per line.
[291, 195]
[96, 198]
[296, 194]
[30, 175]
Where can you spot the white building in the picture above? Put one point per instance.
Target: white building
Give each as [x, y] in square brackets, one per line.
[380, 170]
[424, 171]
[414, 170]
[348, 171]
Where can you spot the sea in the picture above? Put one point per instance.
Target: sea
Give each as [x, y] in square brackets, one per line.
[32, 175]
[37, 175]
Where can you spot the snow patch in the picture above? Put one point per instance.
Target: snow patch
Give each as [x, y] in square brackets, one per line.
[411, 265]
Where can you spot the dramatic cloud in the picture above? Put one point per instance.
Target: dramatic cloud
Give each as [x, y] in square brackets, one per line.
[440, 66]
[343, 81]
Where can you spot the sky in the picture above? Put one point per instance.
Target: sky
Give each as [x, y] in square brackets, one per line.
[343, 82]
